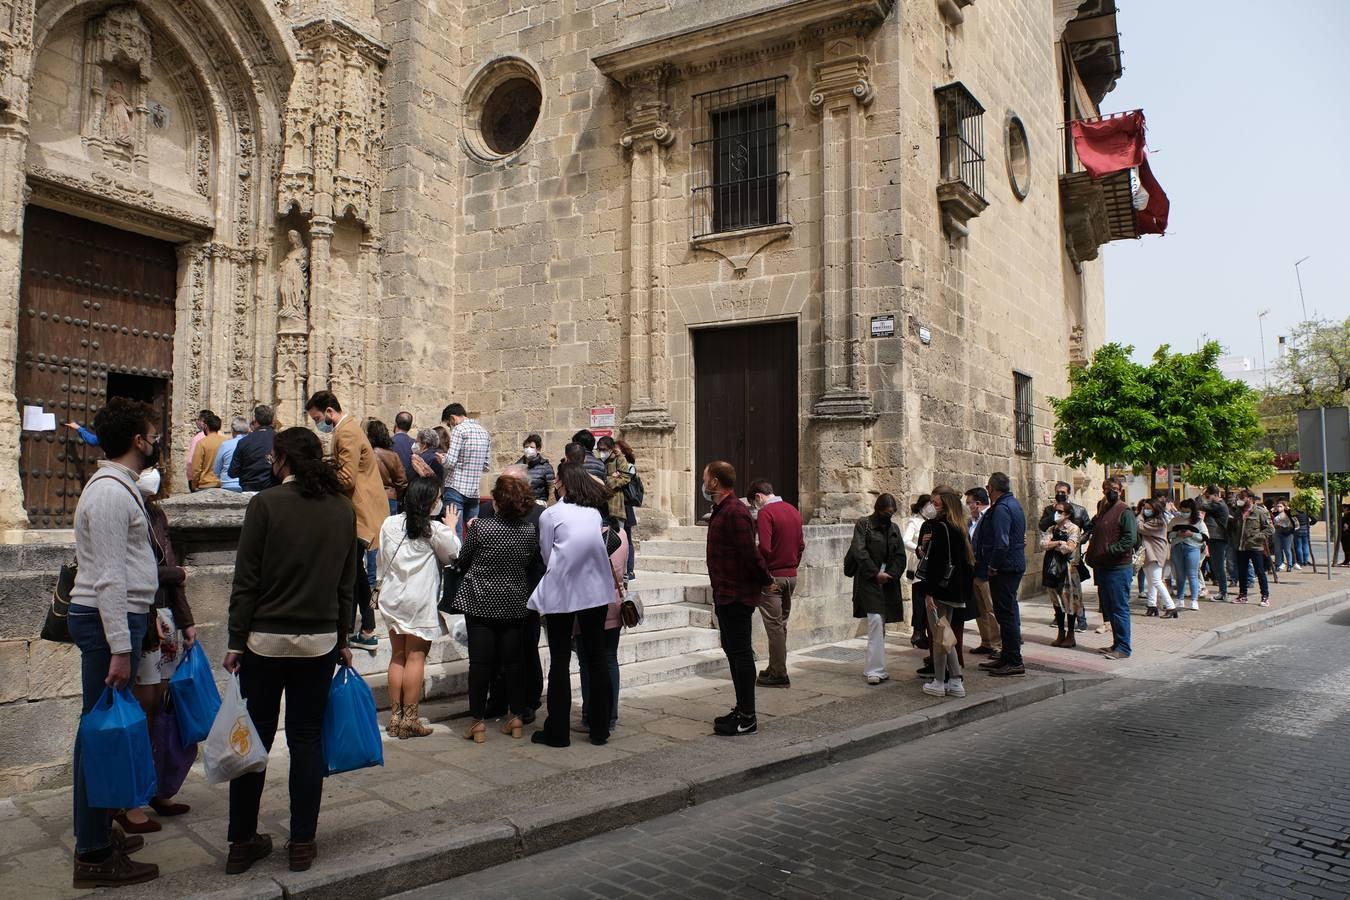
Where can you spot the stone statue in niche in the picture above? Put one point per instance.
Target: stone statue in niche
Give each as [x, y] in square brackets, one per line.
[117, 115]
[294, 288]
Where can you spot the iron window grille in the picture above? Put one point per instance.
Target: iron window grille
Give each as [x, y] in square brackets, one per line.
[1023, 413]
[961, 137]
[739, 163]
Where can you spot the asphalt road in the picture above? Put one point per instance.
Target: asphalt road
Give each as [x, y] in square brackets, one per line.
[1220, 776]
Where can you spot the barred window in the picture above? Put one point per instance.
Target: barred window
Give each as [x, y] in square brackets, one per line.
[1023, 413]
[961, 137]
[739, 157]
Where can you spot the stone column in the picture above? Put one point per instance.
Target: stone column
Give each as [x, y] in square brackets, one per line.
[839, 95]
[320, 310]
[13, 201]
[648, 425]
[842, 415]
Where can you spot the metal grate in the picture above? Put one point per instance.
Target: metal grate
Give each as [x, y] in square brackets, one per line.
[739, 161]
[961, 136]
[838, 654]
[1023, 413]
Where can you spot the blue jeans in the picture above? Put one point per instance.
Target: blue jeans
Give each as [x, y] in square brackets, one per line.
[1114, 587]
[1284, 550]
[92, 825]
[1186, 570]
[1218, 565]
[612, 659]
[1003, 593]
[468, 509]
[1303, 548]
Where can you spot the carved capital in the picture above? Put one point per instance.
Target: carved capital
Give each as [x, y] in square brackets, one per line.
[647, 416]
[646, 111]
[842, 76]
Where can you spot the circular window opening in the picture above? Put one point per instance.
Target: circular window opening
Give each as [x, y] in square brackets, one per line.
[1019, 158]
[509, 115]
[502, 109]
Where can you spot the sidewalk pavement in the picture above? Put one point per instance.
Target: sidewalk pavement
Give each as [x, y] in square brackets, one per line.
[442, 806]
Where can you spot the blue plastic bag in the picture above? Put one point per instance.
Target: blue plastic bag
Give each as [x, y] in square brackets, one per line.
[194, 696]
[351, 733]
[119, 768]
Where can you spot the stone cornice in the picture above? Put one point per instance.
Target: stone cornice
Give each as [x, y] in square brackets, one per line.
[778, 28]
[331, 28]
[847, 75]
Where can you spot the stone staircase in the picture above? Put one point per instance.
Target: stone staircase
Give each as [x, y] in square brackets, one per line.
[680, 550]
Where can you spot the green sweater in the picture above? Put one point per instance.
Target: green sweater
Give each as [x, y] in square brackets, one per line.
[295, 569]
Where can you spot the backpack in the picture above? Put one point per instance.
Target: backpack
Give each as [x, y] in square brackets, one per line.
[633, 491]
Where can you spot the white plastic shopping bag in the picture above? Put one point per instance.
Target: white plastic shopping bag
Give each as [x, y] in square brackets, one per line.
[233, 747]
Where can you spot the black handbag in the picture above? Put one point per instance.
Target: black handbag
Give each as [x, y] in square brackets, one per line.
[921, 571]
[452, 576]
[56, 627]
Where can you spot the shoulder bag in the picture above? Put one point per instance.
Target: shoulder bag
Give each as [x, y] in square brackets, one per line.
[922, 573]
[633, 492]
[56, 625]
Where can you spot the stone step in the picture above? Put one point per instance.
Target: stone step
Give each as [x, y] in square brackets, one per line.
[643, 659]
[36, 558]
[663, 547]
[687, 565]
[696, 533]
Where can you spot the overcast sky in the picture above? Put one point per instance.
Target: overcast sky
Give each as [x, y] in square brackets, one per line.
[1248, 110]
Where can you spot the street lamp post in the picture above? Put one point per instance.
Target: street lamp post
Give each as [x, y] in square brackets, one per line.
[1261, 328]
[1300, 286]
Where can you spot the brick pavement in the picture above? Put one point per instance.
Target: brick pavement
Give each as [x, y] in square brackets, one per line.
[1217, 777]
[665, 728]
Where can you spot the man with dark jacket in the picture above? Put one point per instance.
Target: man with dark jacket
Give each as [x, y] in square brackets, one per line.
[403, 440]
[594, 464]
[252, 463]
[1079, 515]
[1001, 560]
[1216, 524]
[738, 577]
[1111, 555]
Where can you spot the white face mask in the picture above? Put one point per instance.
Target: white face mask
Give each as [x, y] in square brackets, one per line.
[149, 482]
[929, 511]
[531, 453]
[437, 509]
[604, 455]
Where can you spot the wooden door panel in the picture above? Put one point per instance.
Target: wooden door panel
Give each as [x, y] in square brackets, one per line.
[91, 300]
[746, 404]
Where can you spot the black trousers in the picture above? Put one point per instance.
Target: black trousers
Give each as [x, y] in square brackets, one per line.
[304, 682]
[531, 671]
[736, 623]
[362, 594]
[495, 647]
[559, 627]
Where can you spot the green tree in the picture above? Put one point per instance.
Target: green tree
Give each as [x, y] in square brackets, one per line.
[1315, 369]
[1180, 410]
[1236, 470]
[1308, 501]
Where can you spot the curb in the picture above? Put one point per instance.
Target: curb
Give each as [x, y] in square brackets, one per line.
[1267, 620]
[438, 856]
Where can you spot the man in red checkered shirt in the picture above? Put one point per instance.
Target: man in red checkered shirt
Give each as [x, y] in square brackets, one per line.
[738, 575]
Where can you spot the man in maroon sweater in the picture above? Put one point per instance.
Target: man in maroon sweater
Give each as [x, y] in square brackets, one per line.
[738, 576]
[781, 543]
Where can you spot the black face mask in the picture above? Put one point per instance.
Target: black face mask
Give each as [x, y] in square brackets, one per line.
[1112, 496]
[152, 459]
[1061, 497]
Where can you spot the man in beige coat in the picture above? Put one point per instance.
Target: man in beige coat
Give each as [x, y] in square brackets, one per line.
[359, 472]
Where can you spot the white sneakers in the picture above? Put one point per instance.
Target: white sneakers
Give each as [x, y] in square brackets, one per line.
[953, 688]
[1195, 604]
[1281, 568]
[877, 679]
[1297, 567]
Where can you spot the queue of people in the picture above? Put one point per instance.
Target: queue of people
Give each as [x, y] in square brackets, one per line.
[386, 530]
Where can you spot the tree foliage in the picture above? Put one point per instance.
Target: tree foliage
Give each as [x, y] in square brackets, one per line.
[1307, 501]
[1315, 368]
[1235, 470]
[1339, 482]
[1179, 410]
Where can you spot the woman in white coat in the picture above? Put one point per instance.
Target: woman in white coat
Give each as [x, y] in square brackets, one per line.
[414, 546]
[576, 589]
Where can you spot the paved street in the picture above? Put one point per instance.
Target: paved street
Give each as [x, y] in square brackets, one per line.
[1218, 776]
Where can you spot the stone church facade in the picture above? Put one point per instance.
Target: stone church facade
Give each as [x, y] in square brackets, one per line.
[834, 241]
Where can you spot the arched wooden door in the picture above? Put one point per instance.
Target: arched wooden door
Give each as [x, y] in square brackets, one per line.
[96, 320]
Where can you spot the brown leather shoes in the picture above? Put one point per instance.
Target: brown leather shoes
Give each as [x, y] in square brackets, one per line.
[128, 844]
[115, 871]
[303, 854]
[243, 854]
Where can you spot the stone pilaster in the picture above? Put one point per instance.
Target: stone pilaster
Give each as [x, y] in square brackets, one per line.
[839, 95]
[649, 425]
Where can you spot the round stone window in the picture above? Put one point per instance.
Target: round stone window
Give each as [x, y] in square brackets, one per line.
[1019, 157]
[502, 109]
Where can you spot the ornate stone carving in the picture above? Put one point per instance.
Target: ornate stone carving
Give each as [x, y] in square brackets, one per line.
[293, 283]
[16, 54]
[122, 39]
[117, 55]
[117, 199]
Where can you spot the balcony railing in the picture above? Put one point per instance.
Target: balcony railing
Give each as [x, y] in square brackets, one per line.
[1096, 210]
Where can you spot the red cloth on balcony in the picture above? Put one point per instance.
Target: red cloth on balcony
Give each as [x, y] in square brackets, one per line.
[1152, 219]
[1109, 145]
